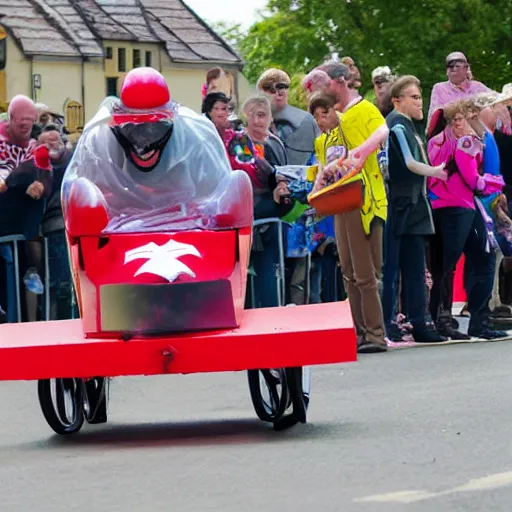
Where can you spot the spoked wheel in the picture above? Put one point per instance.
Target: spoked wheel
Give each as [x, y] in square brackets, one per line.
[95, 400]
[269, 393]
[297, 380]
[61, 403]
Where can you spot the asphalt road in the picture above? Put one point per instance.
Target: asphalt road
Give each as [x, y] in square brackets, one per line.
[415, 430]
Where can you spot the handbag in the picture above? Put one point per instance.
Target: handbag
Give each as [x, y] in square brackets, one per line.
[343, 196]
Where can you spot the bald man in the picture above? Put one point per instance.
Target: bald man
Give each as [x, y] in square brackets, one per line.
[16, 145]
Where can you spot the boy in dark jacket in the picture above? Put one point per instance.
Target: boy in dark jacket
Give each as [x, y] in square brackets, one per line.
[410, 219]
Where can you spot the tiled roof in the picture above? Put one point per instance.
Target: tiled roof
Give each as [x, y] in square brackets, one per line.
[77, 27]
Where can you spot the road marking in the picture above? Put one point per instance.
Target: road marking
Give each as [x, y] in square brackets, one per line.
[398, 497]
[485, 483]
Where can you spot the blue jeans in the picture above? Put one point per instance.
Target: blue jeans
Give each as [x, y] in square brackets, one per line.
[264, 265]
[62, 305]
[325, 277]
[316, 278]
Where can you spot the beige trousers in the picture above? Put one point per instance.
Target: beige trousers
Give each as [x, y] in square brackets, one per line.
[361, 263]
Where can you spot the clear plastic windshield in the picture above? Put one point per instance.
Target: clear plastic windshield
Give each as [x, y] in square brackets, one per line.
[181, 192]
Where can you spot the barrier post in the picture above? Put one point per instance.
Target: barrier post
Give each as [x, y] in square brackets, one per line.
[13, 267]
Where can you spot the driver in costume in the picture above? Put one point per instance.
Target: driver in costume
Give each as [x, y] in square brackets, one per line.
[145, 163]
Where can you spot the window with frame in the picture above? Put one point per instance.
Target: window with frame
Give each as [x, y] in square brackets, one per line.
[112, 86]
[148, 59]
[109, 55]
[121, 60]
[136, 59]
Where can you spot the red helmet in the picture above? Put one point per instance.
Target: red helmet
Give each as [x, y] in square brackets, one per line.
[143, 120]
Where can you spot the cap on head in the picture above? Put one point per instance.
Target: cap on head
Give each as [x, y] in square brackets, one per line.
[381, 74]
[456, 56]
[336, 70]
[144, 89]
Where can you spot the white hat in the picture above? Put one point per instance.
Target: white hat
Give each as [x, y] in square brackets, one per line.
[486, 99]
[382, 71]
[506, 94]
[456, 56]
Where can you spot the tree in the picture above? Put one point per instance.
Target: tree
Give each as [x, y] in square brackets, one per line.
[410, 37]
[232, 33]
[279, 40]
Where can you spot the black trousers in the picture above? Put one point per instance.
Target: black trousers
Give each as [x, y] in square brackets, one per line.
[404, 256]
[461, 231]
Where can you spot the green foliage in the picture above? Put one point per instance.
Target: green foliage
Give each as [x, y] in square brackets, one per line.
[233, 34]
[410, 37]
[297, 94]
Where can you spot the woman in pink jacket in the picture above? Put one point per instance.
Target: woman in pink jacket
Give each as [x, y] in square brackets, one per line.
[460, 226]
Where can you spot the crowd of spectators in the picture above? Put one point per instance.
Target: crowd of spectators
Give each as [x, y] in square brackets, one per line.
[432, 192]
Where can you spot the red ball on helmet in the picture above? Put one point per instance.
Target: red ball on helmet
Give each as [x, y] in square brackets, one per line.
[144, 89]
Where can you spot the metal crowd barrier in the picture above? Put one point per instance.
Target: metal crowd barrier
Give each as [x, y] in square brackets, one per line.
[280, 270]
[9, 251]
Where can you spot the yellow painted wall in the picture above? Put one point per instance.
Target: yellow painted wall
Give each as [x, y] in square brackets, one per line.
[185, 86]
[112, 65]
[95, 88]
[245, 89]
[60, 81]
[17, 71]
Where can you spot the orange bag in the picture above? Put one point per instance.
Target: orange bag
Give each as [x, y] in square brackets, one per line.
[341, 197]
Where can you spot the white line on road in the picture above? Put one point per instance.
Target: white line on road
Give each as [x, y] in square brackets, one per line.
[398, 497]
[478, 484]
[487, 482]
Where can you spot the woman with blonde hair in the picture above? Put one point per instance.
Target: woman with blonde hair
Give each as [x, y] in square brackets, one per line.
[461, 225]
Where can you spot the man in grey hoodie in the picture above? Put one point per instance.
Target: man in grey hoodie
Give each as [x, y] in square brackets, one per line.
[297, 130]
[295, 127]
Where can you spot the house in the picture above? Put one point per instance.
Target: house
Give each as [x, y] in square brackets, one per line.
[71, 54]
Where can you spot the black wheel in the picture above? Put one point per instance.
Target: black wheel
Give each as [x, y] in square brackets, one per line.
[269, 393]
[297, 380]
[294, 377]
[61, 403]
[95, 400]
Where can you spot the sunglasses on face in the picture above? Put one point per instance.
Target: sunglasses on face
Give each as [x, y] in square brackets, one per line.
[456, 65]
[277, 87]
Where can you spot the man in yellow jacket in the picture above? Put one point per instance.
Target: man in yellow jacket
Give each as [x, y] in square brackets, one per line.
[359, 233]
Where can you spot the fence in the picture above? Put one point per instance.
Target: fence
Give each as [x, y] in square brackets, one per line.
[10, 253]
